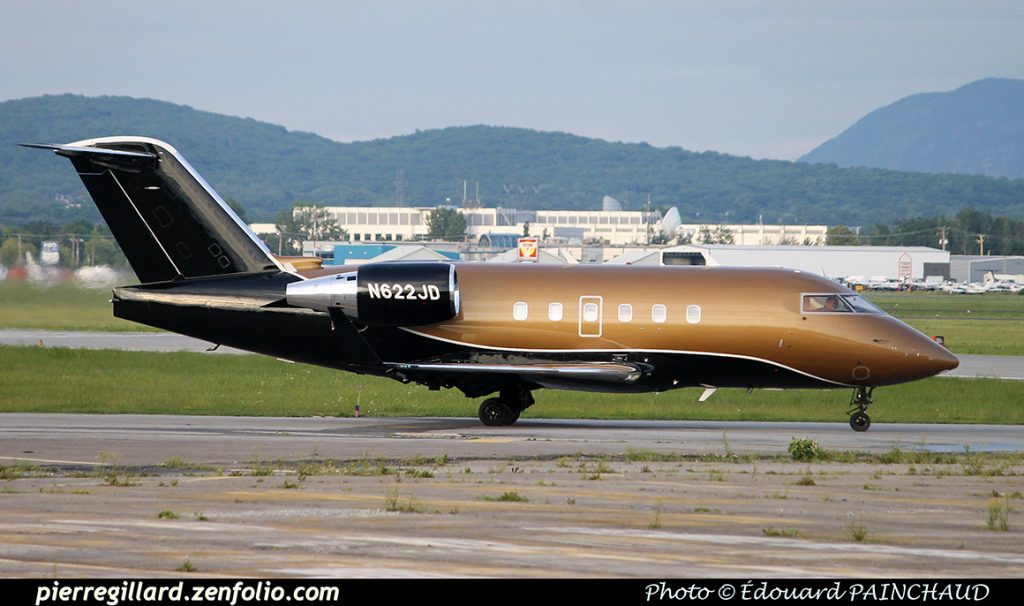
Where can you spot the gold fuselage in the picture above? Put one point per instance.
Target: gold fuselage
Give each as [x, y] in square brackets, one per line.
[750, 313]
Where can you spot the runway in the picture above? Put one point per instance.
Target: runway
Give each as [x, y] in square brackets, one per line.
[150, 495]
[989, 367]
[971, 366]
[226, 441]
[92, 495]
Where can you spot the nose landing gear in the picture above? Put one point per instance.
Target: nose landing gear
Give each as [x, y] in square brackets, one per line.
[859, 419]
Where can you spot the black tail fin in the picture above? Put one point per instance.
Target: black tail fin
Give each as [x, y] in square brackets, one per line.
[167, 219]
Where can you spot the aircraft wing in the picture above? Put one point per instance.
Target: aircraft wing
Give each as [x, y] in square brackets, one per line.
[588, 371]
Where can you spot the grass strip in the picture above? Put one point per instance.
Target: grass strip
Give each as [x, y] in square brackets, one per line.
[85, 381]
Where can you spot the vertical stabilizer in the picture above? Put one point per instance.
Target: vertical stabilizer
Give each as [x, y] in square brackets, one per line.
[167, 219]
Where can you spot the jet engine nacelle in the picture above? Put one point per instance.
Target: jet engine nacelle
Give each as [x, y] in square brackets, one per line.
[385, 294]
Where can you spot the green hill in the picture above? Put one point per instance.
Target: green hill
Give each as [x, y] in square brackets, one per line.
[267, 168]
[976, 129]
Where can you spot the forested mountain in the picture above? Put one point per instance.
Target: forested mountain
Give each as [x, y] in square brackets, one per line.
[266, 168]
[977, 129]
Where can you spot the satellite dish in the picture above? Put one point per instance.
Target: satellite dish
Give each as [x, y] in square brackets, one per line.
[670, 222]
[610, 204]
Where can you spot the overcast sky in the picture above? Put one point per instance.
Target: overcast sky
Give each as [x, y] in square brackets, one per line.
[748, 77]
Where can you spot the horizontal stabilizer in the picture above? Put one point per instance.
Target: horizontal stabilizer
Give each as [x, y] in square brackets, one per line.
[69, 151]
[129, 161]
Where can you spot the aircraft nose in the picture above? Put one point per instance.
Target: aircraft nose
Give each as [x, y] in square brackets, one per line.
[932, 357]
[942, 359]
[909, 355]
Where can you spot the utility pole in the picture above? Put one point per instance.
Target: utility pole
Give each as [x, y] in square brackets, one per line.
[647, 219]
[942, 237]
[981, 244]
[315, 230]
[399, 197]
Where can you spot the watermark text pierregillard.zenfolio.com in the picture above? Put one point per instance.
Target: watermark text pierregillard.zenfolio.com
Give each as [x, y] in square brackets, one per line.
[228, 593]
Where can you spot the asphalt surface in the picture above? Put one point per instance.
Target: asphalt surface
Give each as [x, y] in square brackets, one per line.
[226, 441]
[989, 367]
[971, 366]
[149, 495]
[131, 495]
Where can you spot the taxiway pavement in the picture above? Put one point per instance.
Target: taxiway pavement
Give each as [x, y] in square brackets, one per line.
[226, 441]
[127, 495]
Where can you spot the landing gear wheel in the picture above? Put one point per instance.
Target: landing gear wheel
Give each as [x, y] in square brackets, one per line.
[495, 413]
[860, 421]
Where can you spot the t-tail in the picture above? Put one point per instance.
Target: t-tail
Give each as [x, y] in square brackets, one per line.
[169, 222]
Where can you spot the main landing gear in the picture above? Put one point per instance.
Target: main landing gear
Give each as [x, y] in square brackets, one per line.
[505, 409]
[859, 419]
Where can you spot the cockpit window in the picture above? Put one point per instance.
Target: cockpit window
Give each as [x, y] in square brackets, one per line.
[826, 304]
[837, 303]
[862, 305]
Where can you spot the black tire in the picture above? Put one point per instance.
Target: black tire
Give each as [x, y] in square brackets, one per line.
[860, 421]
[495, 413]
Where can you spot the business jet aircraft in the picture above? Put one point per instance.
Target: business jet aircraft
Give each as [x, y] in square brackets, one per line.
[484, 329]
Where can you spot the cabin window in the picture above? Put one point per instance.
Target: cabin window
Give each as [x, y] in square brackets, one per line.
[659, 314]
[519, 311]
[825, 304]
[625, 312]
[693, 314]
[555, 312]
[590, 312]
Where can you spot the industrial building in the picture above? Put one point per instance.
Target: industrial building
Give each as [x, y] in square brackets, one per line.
[394, 224]
[572, 227]
[832, 261]
[972, 268]
[356, 254]
[864, 262]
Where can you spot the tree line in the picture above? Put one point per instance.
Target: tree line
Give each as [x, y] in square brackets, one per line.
[968, 232]
[80, 242]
